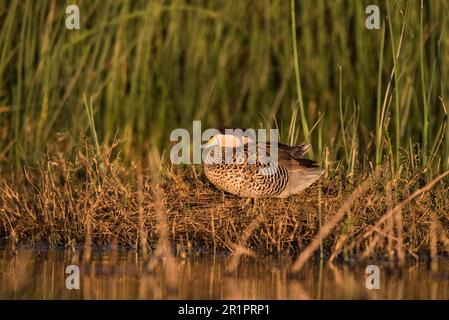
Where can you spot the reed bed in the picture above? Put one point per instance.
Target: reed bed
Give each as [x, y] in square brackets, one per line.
[310, 68]
[66, 202]
[84, 114]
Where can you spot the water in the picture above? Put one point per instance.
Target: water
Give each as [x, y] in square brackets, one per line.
[31, 274]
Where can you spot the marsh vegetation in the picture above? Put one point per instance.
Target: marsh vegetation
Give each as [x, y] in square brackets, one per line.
[85, 117]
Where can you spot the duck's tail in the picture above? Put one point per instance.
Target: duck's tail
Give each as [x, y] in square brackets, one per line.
[300, 180]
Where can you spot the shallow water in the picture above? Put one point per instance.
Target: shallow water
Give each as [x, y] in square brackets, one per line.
[31, 274]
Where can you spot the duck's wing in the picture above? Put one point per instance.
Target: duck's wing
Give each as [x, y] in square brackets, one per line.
[297, 152]
[294, 164]
[290, 157]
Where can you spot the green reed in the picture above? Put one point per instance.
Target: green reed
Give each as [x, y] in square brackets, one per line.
[152, 66]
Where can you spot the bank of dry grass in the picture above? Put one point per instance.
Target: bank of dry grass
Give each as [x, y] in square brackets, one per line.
[71, 198]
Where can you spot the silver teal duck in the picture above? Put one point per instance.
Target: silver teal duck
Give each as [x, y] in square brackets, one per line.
[227, 165]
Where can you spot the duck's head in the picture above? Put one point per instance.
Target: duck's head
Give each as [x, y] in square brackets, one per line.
[229, 138]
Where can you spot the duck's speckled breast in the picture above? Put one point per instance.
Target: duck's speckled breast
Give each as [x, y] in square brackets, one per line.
[229, 170]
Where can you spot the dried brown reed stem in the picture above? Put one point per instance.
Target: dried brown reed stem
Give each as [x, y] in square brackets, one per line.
[338, 246]
[392, 238]
[390, 222]
[433, 244]
[8, 193]
[13, 241]
[395, 214]
[163, 249]
[394, 224]
[370, 247]
[441, 234]
[400, 238]
[443, 238]
[240, 248]
[415, 194]
[326, 229]
[212, 226]
[141, 218]
[87, 253]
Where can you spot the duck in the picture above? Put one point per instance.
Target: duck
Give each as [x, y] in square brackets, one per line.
[228, 166]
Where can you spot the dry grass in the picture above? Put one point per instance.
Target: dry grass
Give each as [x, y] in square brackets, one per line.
[83, 198]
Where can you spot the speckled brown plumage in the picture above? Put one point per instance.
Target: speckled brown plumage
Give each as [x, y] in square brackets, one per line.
[229, 170]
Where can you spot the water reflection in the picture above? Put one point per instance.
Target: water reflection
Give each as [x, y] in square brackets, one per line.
[30, 274]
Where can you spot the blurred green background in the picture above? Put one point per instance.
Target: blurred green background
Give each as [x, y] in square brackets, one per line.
[153, 66]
